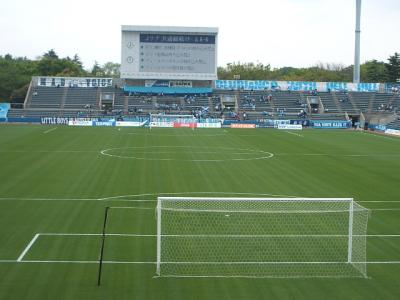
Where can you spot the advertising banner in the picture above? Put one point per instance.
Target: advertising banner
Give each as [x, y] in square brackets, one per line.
[209, 125]
[80, 123]
[74, 82]
[184, 125]
[326, 124]
[245, 126]
[162, 124]
[4, 108]
[104, 123]
[128, 124]
[290, 127]
[392, 132]
[296, 85]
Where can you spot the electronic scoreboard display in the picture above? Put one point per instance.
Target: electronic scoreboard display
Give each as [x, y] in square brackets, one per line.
[169, 55]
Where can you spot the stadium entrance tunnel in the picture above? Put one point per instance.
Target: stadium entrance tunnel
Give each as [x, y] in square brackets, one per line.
[187, 153]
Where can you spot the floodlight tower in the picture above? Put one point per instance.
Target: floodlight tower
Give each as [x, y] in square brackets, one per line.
[356, 75]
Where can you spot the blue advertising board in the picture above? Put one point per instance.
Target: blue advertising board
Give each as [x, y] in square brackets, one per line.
[330, 124]
[4, 108]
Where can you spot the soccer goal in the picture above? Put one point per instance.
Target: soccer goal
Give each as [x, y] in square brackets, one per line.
[175, 121]
[261, 237]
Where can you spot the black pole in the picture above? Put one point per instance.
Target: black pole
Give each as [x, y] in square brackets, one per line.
[103, 238]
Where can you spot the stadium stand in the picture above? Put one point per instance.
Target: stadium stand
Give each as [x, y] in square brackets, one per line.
[236, 105]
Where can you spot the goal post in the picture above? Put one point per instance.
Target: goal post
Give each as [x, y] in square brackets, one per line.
[173, 121]
[261, 237]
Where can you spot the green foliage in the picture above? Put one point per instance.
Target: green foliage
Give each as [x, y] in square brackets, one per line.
[14, 74]
[112, 69]
[374, 71]
[51, 65]
[97, 70]
[246, 71]
[393, 68]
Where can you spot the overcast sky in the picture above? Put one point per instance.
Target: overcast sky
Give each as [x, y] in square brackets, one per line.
[298, 33]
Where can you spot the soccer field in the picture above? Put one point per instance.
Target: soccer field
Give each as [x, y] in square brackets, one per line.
[55, 183]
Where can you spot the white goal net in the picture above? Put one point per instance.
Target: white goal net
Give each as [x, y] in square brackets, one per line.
[261, 237]
[176, 121]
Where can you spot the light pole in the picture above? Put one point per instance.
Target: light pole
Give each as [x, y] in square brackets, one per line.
[356, 75]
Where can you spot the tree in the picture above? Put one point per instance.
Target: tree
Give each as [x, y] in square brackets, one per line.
[14, 74]
[77, 61]
[97, 70]
[111, 69]
[374, 71]
[393, 68]
[51, 65]
[51, 54]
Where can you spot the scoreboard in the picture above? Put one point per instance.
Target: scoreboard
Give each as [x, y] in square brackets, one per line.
[150, 52]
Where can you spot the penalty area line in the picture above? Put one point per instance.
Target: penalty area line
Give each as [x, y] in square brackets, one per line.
[19, 259]
[50, 130]
[293, 133]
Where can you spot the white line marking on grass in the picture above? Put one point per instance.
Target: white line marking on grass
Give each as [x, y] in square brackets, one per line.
[258, 154]
[195, 193]
[296, 134]
[382, 136]
[87, 262]
[339, 155]
[28, 247]
[98, 234]
[217, 235]
[153, 262]
[48, 151]
[50, 130]
[127, 198]
[383, 209]
[74, 199]
[136, 207]
[379, 201]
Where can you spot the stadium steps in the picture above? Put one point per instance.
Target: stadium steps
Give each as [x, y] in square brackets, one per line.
[395, 124]
[126, 103]
[336, 101]
[353, 103]
[371, 103]
[28, 96]
[63, 98]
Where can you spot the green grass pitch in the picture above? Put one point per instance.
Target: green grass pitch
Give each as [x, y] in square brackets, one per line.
[55, 183]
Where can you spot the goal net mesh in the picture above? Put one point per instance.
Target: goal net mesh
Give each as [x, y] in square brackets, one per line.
[242, 237]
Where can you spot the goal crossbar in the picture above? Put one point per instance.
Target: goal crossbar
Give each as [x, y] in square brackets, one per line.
[287, 199]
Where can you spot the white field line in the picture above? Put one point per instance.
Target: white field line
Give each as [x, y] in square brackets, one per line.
[339, 155]
[136, 207]
[216, 235]
[153, 262]
[134, 197]
[50, 130]
[98, 234]
[28, 247]
[48, 151]
[155, 195]
[296, 134]
[388, 137]
[77, 199]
